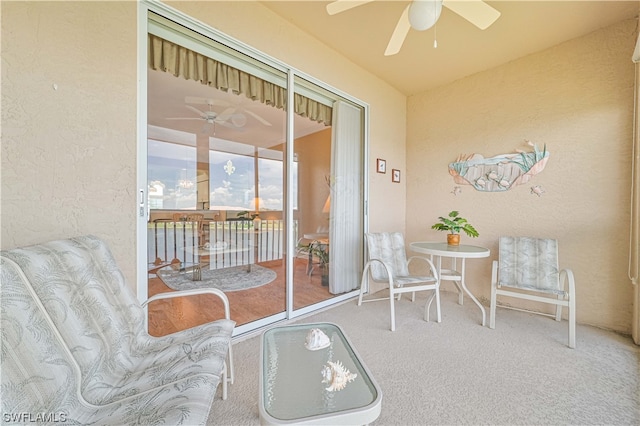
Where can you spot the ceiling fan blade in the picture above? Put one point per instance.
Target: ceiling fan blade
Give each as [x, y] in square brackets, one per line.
[257, 117]
[399, 34]
[342, 5]
[205, 101]
[230, 126]
[197, 111]
[477, 12]
[226, 114]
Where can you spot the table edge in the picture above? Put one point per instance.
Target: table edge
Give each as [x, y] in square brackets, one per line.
[345, 417]
[446, 253]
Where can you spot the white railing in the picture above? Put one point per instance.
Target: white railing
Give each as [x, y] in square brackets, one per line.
[234, 242]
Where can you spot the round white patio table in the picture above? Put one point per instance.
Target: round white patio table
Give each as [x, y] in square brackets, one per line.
[462, 252]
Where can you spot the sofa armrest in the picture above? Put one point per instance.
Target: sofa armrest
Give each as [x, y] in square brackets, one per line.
[183, 293]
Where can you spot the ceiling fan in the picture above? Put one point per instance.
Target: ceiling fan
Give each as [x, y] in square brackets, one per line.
[423, 14]
[232, 105]
[227, 118]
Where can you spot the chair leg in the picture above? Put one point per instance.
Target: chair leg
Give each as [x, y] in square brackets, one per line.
[572, 321]
[438, 312]
[393, 311]
[572, 327]
[427, 307]
[566, 276]
[559, 308]
[231, 369]
[494, 289]
[362, 286]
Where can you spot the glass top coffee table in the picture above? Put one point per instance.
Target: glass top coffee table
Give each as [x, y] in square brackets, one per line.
[293, 389]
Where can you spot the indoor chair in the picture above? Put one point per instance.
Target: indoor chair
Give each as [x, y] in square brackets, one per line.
[388, 263]
[198, 220]
[530, 267]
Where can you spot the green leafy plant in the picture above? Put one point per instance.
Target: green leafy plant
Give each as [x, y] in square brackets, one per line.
[320, 251]
[454, 223]
[245, 215]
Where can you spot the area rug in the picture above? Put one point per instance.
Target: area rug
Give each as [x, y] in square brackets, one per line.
[234, 278]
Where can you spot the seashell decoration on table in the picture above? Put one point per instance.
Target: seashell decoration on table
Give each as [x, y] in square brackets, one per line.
[316, 339]
[337, 376]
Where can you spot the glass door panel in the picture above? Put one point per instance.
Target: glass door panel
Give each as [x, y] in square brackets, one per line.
[216, 168]
[315, 214]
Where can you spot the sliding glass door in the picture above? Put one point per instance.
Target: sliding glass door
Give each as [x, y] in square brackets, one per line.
[254, 183]
[329, 212]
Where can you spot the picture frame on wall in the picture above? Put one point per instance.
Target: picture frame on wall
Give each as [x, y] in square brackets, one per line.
[381, 165]
[395, 175]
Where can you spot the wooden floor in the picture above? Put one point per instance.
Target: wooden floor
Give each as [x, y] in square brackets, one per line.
[169, 316]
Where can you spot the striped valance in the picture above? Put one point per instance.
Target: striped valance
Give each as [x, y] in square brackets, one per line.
[182, 62]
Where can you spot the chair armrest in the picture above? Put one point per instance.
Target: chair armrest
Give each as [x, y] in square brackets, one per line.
[367, 268]
[194, 292]
[434, 271]
[567, 279]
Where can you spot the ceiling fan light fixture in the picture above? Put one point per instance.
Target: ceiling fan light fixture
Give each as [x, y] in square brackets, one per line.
[423, 14]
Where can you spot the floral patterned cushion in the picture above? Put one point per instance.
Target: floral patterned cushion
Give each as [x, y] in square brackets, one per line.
[389, 248]
[74, 342]
[41, 380]
[529, 263]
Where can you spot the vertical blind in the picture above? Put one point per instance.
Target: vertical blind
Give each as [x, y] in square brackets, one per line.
[346, 226]
[634, 231]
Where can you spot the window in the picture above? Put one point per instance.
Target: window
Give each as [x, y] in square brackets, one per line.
[172, 175]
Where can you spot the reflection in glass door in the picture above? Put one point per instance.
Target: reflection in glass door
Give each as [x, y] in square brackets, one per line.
[311, 213]
[215, 169]
[329, 217]
[218, 164]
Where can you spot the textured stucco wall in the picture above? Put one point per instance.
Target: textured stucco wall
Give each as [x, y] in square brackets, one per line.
[69, 123]
[577, 98]
[69, 155]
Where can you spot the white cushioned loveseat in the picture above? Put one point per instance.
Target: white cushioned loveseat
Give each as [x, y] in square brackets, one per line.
[75, 348]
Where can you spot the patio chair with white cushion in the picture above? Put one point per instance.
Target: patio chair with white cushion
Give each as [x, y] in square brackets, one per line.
[528, 267]
[388, 263]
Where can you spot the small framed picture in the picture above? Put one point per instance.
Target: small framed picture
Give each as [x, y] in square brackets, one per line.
[381, 165]
[395, 175]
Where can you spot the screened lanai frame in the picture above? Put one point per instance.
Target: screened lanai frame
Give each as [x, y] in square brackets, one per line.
[144, 8]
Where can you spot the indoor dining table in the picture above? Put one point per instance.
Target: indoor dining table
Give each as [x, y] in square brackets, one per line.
[454, 252]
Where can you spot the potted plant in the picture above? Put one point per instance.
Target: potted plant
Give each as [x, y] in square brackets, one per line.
[455, 223]
[321, 251]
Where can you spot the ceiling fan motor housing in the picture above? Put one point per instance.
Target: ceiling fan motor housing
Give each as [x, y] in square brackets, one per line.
[423, 14]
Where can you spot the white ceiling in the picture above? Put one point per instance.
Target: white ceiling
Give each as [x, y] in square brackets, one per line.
[171, 120]
[524, 27]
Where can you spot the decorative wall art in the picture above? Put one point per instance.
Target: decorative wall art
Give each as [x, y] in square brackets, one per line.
[381, 166]
[499, 173]
[395, 175]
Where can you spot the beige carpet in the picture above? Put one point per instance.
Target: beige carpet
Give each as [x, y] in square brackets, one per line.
[458, 372]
